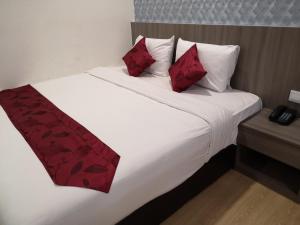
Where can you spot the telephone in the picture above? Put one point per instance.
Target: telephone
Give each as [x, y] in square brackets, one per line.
[283, 115]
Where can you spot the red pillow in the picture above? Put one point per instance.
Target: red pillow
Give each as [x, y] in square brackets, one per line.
[187, 70]
[138, 59]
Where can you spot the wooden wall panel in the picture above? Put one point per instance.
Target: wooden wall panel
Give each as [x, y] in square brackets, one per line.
[269, 61]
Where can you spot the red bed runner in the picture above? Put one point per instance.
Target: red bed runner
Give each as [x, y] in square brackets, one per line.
[71, 154]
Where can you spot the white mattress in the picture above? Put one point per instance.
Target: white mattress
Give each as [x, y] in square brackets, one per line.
[242, 104]
[162, 138]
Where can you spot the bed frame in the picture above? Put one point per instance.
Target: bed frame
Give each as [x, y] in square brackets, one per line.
[268, 66]
[159, 209]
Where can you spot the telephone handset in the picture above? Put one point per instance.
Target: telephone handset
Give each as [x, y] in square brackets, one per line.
[283, 115]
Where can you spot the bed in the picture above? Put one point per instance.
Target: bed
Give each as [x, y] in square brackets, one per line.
[163, 138]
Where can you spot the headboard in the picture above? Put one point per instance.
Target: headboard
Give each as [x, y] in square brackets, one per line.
[269, 61]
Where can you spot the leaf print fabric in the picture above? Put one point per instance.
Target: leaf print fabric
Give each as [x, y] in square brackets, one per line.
[138, 59]
[187, 70]
[71, 154]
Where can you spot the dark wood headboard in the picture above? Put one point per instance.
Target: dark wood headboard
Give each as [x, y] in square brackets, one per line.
[269, 61]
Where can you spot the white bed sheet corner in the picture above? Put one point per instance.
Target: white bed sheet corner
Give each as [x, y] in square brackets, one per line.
[155, 131]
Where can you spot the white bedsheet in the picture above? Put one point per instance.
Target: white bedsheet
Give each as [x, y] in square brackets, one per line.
[162, 137]
[240, 103]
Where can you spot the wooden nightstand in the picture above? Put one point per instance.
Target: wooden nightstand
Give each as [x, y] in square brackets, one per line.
[270, 153]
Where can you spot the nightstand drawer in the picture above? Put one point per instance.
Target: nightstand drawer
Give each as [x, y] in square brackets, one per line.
[270, 146]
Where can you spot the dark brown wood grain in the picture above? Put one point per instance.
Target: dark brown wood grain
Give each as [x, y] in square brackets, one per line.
[279, 142]
[271, 173]
[269, 61]
[288, 134]
[276, 162]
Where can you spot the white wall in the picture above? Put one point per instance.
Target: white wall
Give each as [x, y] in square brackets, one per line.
[43, 39]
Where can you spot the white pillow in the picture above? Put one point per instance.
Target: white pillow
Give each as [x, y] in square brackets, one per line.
[218, 60]
[162, 51]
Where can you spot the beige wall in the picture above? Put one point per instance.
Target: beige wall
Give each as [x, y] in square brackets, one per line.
[43, 39]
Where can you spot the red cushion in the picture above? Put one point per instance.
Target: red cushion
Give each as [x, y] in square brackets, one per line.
[187, 70]
[138, 59]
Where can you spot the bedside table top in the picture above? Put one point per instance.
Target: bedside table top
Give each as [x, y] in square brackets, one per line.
[261, 123]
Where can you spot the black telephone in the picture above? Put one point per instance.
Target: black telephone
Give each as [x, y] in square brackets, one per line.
[283, 115]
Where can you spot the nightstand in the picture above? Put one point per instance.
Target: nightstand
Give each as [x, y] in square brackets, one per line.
[270, 153]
